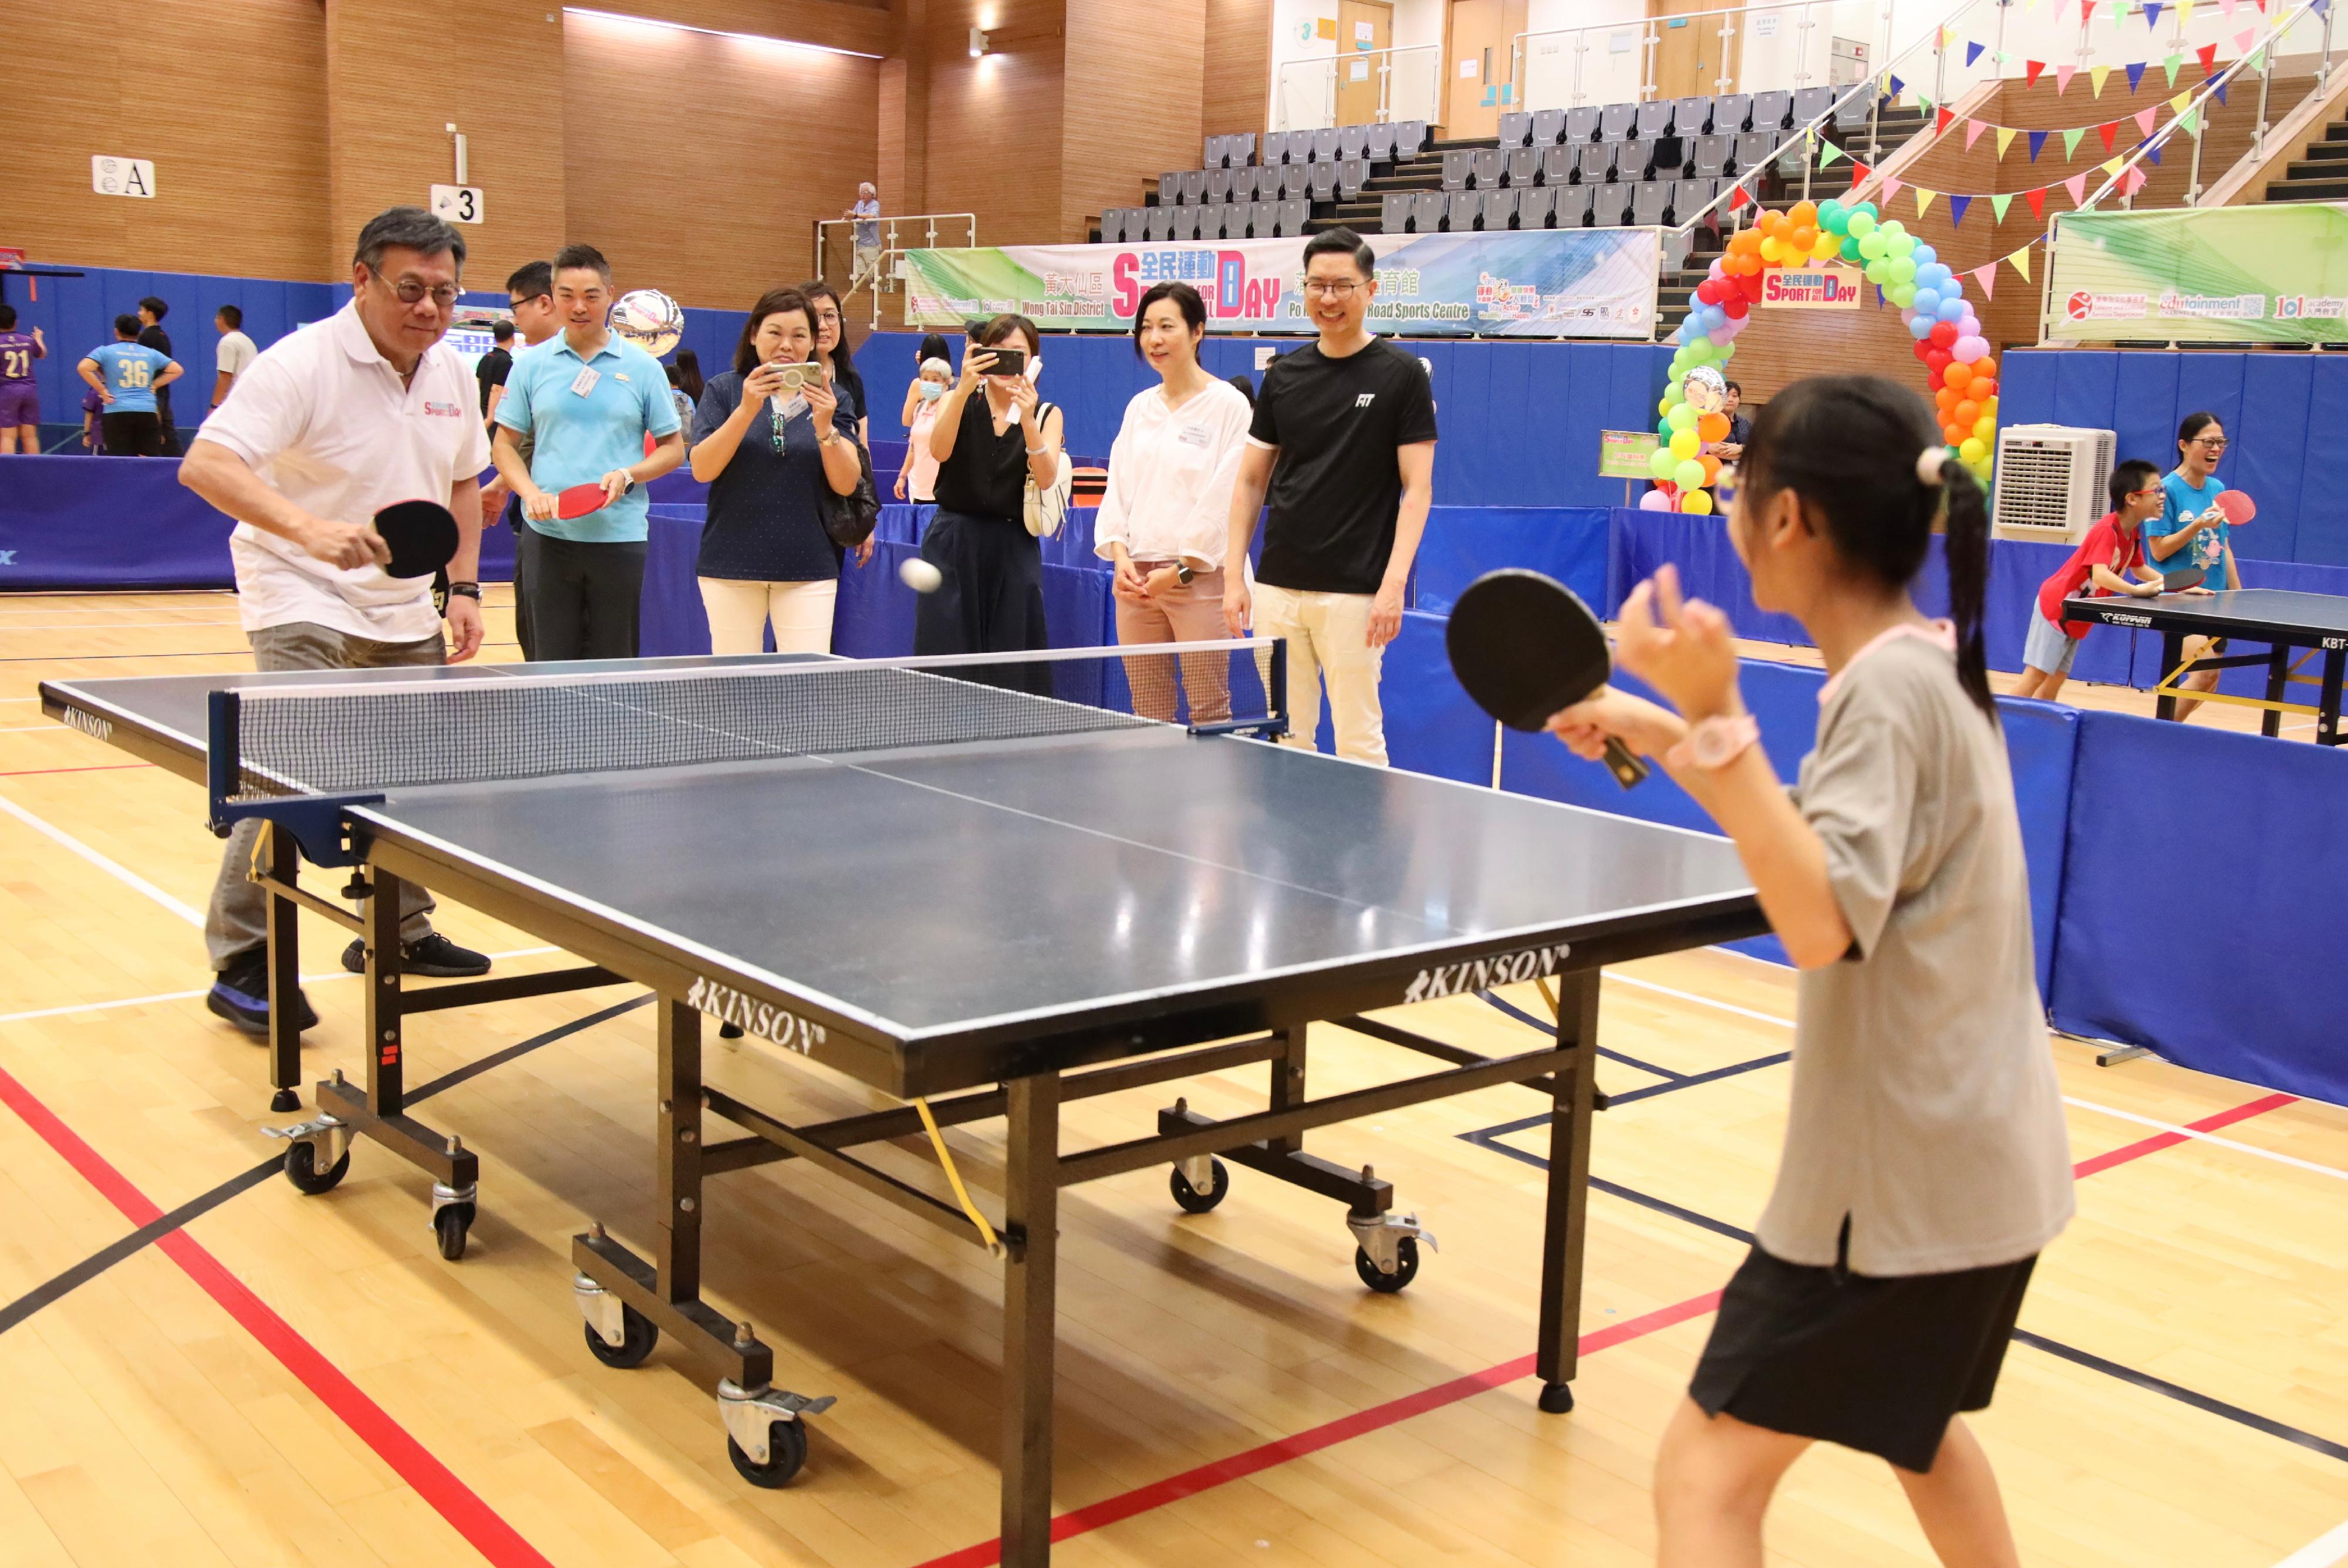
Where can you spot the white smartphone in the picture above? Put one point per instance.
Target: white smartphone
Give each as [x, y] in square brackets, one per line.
[798, 377]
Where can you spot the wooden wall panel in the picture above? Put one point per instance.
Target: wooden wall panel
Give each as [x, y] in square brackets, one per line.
[228, 101]
[386, 127]
[1135, 89]
[868, 26]
[698, 164]
[995, 124]
[1238, 67]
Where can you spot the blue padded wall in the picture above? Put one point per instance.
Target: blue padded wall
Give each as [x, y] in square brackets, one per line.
[2281, 411]
[1519, 422]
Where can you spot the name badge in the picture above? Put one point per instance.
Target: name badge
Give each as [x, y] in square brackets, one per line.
[585, 382]
[1194, 435]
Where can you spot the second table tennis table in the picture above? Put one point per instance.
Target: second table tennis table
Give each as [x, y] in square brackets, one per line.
[987, 903]
[2283, 620]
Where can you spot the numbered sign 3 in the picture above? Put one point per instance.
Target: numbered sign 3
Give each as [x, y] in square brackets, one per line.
[456, 203]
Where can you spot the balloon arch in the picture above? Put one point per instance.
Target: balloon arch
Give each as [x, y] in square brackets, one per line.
[1947, 334]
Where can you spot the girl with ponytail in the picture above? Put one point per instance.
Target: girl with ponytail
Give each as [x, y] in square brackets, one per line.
[1925, 1163]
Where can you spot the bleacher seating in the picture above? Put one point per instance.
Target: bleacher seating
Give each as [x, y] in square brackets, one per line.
[1325, 145]
[1597, 164]
[1692, 116]
[1557, 164]
[1193, 188]
[1353, 141]
[1486, 165]
[1547, 127]
[1572, 207]
[1499, 210]
[1522, 166]
[1394, 212]
[1616, 120]
[1516, 129]
[1648, 200]
[1752, 150]
[1582, 124]
[1467, 207]
[1378, 146]
[1810, 103]
[1353, 178]
[1409, 137]
[1654, 119]
[1731, 112]
[1772, 110]
[1536, 205]
[1426, 210]
[1457, 164]
[1324, 183]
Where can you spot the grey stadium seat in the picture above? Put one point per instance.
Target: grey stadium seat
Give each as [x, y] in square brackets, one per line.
[1515, 128]
[1353, 141]
[1324, 183]
[1467, 210]
[1219, 153]
[1535, 206]
[1243, 182]
[1549, 127]
[1394, 212]
[1218, 184]
[1160, 225]
[1582, 124]
[1730, 111]
[1295, 182]
[1426, 208]
[1811, 103]
[1522, 166]
[1711, 156]
[1262, 219]
[1487, 163]
[1378, 146]
[1557, 164]
[1649, 198]
[1288, 220]
[1409, 137]
[1212, 218]
[1753, 150]
[1572, 206]
[1194, 187]
[1353, 176]
[1691, 197]
[1607, 205]
[1692, 116]
[1596, 166]
[1242, 145]
[1187, 221]
[1169, 187]
[1852, 112]
[1325, 146]
[1458, 164]
[1615, 120]
[1772, 110]
[1654, 119]
[1499, 210]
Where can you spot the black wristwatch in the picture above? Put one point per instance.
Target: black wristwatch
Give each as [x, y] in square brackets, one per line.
[1182, 573]
[466, 590]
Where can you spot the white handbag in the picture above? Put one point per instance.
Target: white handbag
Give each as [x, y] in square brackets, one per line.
[1046, 506]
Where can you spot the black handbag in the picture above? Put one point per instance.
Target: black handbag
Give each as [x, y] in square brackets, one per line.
[849, 519]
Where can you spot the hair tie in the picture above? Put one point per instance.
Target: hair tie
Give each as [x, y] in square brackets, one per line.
[1927, 466]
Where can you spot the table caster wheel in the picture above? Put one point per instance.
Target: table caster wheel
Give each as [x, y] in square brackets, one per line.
[1557, 1398]
[1377, 1279]
[638, 1334]
[450, 1226]
[786, 1450]
[1189, 1199]
[301, 1169]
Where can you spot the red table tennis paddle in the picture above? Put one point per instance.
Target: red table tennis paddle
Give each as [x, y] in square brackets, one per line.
[1525, 647]
[422, 535]
[2235, 507]
[581, 500]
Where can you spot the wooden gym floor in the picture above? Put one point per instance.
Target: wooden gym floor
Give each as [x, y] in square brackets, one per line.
[260, 1378]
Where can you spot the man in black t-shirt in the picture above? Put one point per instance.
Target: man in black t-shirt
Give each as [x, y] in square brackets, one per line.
[1344, 441]
[494, 367]
[152, 311]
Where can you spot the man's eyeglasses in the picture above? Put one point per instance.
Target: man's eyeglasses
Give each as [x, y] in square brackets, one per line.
[1341, 288]
[410, 291]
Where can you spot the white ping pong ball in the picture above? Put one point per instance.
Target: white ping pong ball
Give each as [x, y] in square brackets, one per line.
[920, 575]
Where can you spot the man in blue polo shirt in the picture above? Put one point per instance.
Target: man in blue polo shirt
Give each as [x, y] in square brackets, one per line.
[587, 401]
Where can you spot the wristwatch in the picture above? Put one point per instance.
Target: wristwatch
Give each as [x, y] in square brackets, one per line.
[1182, 573]
[1714, 743]
[466, 591]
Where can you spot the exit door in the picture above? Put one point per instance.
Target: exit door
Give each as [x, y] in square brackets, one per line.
[1478, 62]
[1364, 31]
[1691, 56]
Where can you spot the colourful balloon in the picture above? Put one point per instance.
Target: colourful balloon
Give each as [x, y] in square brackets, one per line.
[1662, 463]
[1688, 475]
[1697, 501]
[1685, 445]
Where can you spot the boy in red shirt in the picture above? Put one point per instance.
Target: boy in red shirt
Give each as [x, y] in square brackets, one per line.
[2112, 546]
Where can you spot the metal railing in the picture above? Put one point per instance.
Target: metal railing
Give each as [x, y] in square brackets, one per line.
[1408, 83]
[835, 249]
[1778, 46]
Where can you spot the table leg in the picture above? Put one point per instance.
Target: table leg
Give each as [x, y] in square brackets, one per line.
[386, 1057]
[2327, 707]
[1031, 1220]
[678, 1255]
[2278, 686]
[1568, 1192]
[2172, 653]
[1288, 1084]
[282, 864]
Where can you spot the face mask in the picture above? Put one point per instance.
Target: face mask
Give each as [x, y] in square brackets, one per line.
[932, 391]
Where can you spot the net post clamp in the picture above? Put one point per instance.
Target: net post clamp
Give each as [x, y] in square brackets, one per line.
[314, 820]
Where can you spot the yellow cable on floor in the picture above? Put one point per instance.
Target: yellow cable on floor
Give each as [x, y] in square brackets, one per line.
[954, 1177]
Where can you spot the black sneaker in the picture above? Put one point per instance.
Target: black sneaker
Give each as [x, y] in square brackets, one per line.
[433, 958]
[240, 994]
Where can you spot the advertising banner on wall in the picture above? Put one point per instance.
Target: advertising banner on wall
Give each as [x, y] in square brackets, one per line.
[1539, 282]
[2274, 274]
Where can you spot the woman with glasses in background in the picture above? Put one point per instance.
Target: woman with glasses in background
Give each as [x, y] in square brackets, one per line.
[831, 347]
[2191, 532]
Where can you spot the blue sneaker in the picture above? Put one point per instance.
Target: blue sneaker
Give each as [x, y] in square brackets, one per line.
[240, 994]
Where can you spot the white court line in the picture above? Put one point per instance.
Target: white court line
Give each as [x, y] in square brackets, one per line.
[112, 626]
[115, 868]
[191, 995]
[27, 728]
[2239, 1148]
[2322, 1553]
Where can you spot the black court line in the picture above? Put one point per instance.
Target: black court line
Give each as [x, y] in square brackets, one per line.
[1691, 1081]
[1488, 1138]
[62, 1285]
[1548, 1026]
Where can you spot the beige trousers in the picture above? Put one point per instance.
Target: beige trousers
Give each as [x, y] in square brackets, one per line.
[739, 610]
[1177, 614]
[1328, 639]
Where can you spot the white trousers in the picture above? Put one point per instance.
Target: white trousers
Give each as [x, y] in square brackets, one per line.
[1328, 639]
[739, 610]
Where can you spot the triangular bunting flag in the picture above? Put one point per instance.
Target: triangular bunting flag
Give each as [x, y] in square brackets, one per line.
[2221, 89]
[1941, 119]
[2030, 71]
[2095, 75]
[1738, 197]
[1896, 84]
[2191, 120]
[2037, 141]
[1923, 100]
[1987, 277]
[1973, 51]
[2133, 182]
[1828, 153]
[2037, 199]
[2020, 261]
[1892, 186]
[1997, 204]
[2227, 6]
[2242, 39]
[2185, 13]
[2207, 55]
[2256, 56]
[2181, 102]
[2107, 130]
[1957, 205]
[2144, 120]
[2320, 7]
[2071, 143]
[1858, 172]
[2111, 166]
[2077, 186]
[2169, 63]
[2152, 150]
[1923, 199]
[2005, 135]
[1973, 128]
[2001, 56]
[1948, 36]
[2119, 15]
[2063, 75]
[2152, 13]
[2086, 12]
[2135, 75]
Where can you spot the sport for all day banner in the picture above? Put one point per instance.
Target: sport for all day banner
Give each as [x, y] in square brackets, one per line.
[2273, 274]
[1539, 282]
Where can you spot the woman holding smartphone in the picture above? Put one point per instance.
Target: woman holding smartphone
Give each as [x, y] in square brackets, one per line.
[992, 436]
[769, 435]
[1166, 519]
[832, 346]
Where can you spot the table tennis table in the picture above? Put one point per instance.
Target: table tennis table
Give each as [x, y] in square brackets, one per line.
[2283, 620]
[987, 903]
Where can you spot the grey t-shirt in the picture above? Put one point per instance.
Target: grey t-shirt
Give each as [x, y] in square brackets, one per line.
[1925, 1106]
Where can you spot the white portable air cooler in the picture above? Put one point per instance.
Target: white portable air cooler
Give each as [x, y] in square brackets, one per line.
[2051, 481]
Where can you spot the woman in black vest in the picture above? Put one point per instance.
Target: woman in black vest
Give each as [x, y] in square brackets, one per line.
[992, 436]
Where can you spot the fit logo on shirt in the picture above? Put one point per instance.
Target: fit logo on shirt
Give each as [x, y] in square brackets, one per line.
[444, 410]
[1363, 400]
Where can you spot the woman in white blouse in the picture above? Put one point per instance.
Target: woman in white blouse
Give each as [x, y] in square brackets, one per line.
[1167, 513]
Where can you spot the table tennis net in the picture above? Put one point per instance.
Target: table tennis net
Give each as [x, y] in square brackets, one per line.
[329, 739]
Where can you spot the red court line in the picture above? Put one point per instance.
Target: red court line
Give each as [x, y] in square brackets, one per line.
[432, 1480]
[96, 767]
[2160, 1141]
[1191, 1482]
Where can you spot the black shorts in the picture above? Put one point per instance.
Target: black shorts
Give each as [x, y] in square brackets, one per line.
[1878, 1365]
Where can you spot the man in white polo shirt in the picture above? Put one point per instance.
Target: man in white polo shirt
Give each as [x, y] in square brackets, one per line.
[332, 423]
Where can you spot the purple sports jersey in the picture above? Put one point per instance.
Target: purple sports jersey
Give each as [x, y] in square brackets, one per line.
[20, 402]
[17, 352]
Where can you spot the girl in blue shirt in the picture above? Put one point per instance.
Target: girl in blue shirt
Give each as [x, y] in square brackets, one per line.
[2192, 533]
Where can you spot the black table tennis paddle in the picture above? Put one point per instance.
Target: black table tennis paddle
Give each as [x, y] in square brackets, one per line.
[1525, 646]
[2177, 582]
[422, 535]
